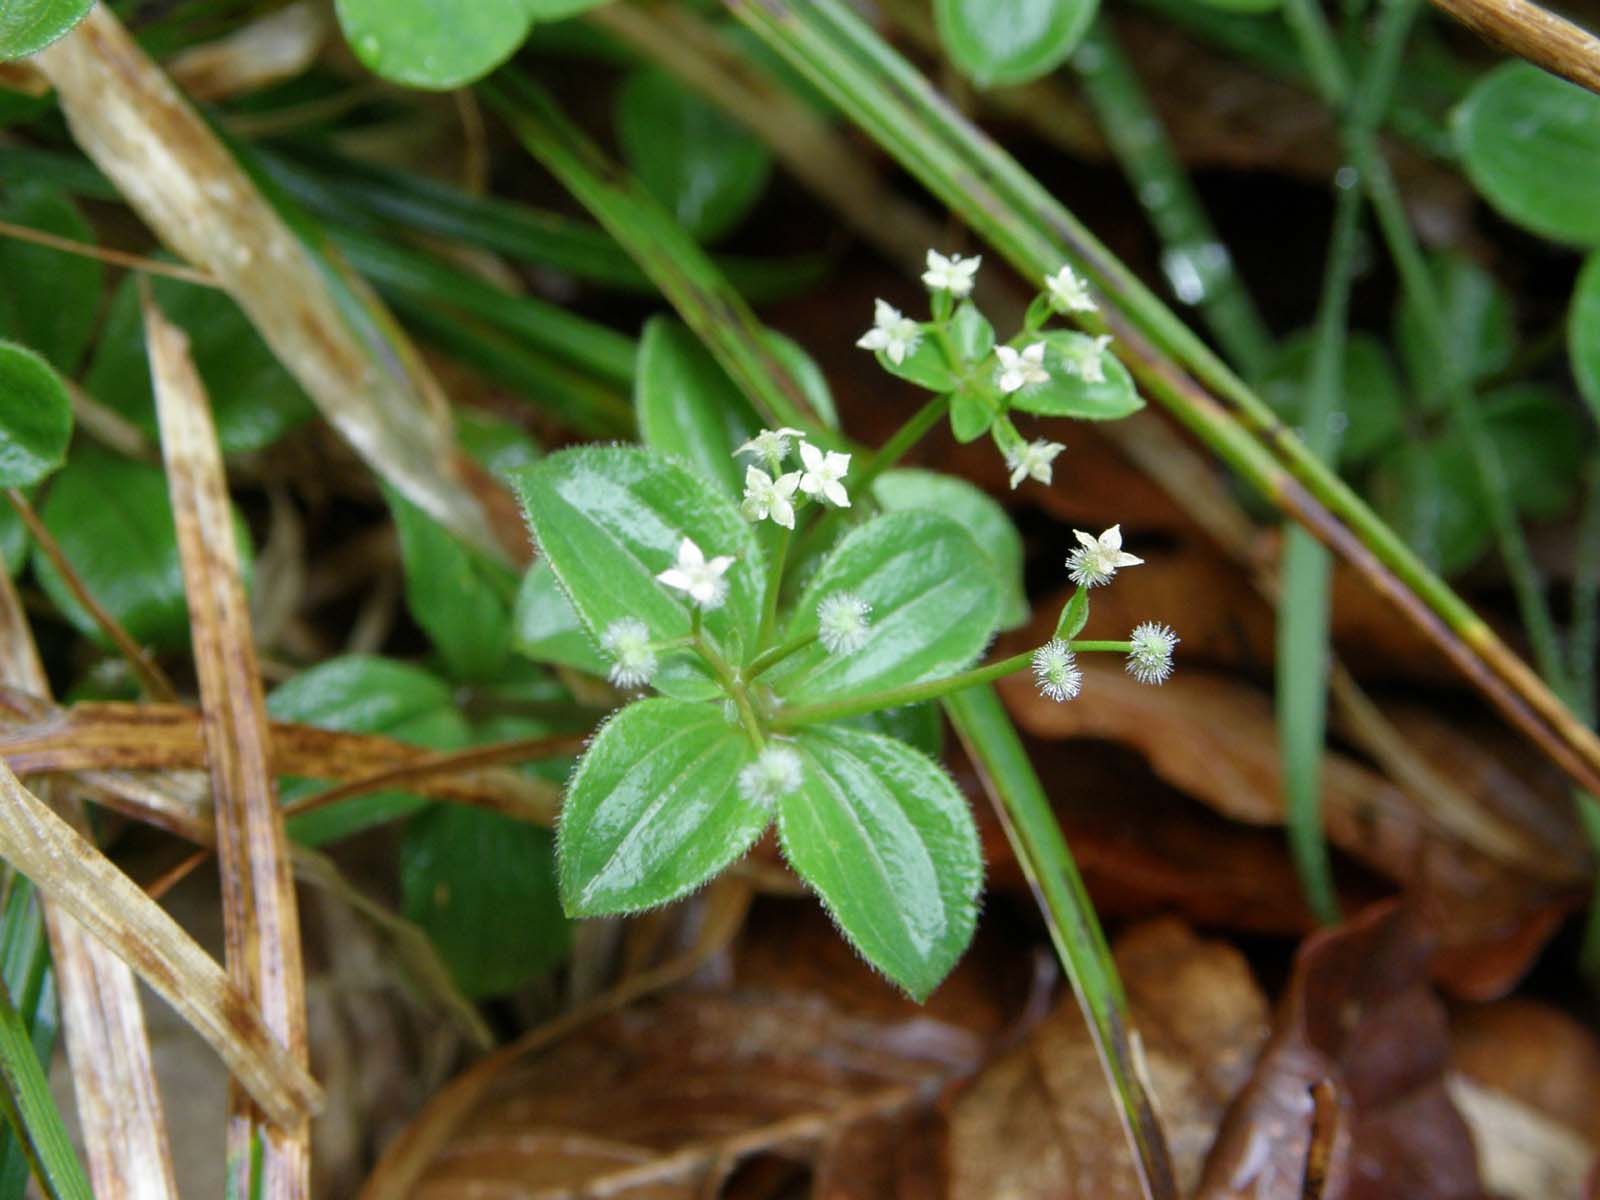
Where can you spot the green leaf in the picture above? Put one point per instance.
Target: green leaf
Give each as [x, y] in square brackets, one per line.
[49, 299]
[999, 43]
[460, 599]
[112, 520]
[705, 169]
[1074, 615]
[1542, 442]
[687, 405]
[1479, 330]
[482, 886]
[32, 1110]
[35, 417]
[1065, 394]
[546, 627]
[655, 809]
[254, 400]
[27, 26]
[1251, 7]
[971, 415]
[807, 375]
[435, 44]
[919, 725]
[934, 608]
[610, 518]
[28, 976]
[1428, 492]
[1373, 402]
[1529, 143]
[884, 837]
[975, 511]
[14, 541]
[364, 694]
[971, 333]
[499, 446]
[925, 366]
[559, 10]
[1583, 333]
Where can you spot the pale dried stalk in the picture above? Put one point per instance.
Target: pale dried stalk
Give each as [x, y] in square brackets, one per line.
[1533, 33]
[262, 52]
[137, 127]
[108, 1050]
[70, 872]
[260, 921]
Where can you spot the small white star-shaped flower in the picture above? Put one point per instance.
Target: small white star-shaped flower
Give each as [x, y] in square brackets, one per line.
[1069, 291]
[766, 497]
[633, 658]
[1056, 672]
[1019, 369]
[822, 474]
[770, 444]
[1097, 559]
[893, 333]
[954, 274]
[1085, 358]
[1150, 659]
[1032, 461]
[776, 772]
[701, 579]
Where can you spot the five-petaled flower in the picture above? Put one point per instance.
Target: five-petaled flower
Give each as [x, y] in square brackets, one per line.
[1019, 369]
[822, 474]
[1085, 357]
[893, 333]
[772, 445]
[775, 773]
[633, 658]
[1032, 461]
[1150, 655]
[694, 574]
[1056, 671]
[766, 497]
[953, 274]
[1097, 559]
[1068, 291]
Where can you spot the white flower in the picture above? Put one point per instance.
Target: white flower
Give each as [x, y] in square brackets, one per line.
[627, 641]
[766, 497]
[1055, 670]
[776, 772]
[953, 274]
[823, 473]
[894, 334]
[1032, 461]
[1085, 357]
[1069, 291]
[771, 445]
[693, 574]
[1018, 370]
[1097, 559]
[1150, 659]
[842, 622]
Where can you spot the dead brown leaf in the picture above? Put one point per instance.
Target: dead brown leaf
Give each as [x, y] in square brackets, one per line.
[1038, 1121]
[1358, 1013]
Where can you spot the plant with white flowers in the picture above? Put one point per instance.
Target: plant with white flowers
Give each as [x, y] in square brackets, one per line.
[981, 384]
[796, 608]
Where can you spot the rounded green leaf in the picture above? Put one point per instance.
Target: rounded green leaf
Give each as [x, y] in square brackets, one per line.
[1002, 42]
[610, 518]
[926, 365]
[1373, 404]
[1480, 331]
[1067, 394]
[254, 400]
[705, 169]
[362, 693]
[1542, 441]
[975, 511]
[27, 26]
[882, 834]
[1529, 143]
[687, 405]
[499, 446]
[482, 887]
[437, 44]
[654, 809]
[972, 413]
[1428, 493]
[971, 333]
[113, 521]
[546, 627]
[35, 417]
[49, 299]
[934, 603]
[1583, 333]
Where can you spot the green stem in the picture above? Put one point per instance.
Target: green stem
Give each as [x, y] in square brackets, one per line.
[1094, 647]
[729, 680]
[770, 658]
[911, 693]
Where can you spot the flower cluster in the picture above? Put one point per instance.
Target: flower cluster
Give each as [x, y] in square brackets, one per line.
[771, 492]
